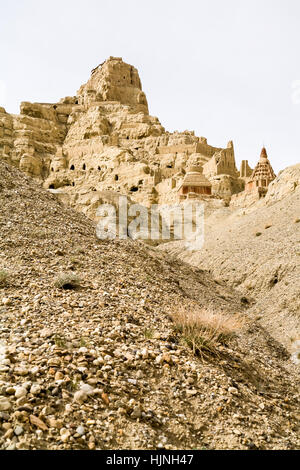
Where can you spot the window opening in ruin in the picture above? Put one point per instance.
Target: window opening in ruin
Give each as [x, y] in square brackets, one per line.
[116, 178]
[84, 167]
[72, 168]
[134, 189]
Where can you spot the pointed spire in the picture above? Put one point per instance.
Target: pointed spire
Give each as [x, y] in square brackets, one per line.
[263, 171]
[264, 153]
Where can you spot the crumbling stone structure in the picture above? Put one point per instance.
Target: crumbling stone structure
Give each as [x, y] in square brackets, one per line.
[262, 176]
[257, 184]
[194, 184]
[104, 139]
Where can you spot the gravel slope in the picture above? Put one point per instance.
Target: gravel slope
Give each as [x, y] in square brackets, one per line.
[101, 367]
[256, 250]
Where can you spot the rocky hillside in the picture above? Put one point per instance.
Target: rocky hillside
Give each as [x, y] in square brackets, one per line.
[104, 139]
[98, 363]
[256, 251]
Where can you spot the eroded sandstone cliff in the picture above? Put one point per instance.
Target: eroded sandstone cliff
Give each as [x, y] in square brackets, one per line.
[103, 139]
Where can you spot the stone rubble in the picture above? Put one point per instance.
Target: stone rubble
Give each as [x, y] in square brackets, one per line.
[101, 367]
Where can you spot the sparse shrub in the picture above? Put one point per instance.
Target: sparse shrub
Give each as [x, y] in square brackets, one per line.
[68, 281]
[203, 331]
[80, 251]
[73, 386]
[3, 278]
[60, 341]
[258, 234]
[84, 342]
[75, 262]
[148, 333]
[40, 234]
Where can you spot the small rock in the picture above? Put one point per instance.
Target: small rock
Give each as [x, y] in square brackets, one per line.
[21, 401]
[80, 397]
[145, 353]
[58, 376]
[11, 447]
[105, 398]
[53, 362]
[80, 430]
[35, 389]
[87, 389]
[46, 333]
[191, 393]
[6, 426]
[65, 435]
[137, 413]
[21, 371]
[18, 431]
[132, 381]
[38, 423]
[20, 392]
[5, 404]
[159, 359]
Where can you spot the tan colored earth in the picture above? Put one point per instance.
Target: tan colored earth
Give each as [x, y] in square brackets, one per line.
[101, 367]
[91, 356]
[256, 251]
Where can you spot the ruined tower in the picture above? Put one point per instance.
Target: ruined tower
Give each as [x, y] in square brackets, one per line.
[263, 174]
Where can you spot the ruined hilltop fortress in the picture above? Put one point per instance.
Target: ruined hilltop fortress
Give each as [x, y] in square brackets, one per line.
[103, 142]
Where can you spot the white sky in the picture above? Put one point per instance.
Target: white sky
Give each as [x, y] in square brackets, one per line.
[225, 69]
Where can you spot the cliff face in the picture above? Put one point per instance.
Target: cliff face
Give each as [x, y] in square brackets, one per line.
[104, 139]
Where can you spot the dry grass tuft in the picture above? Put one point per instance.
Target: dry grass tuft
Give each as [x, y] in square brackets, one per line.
[204, 331]
[3, 278]
[68, 281]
